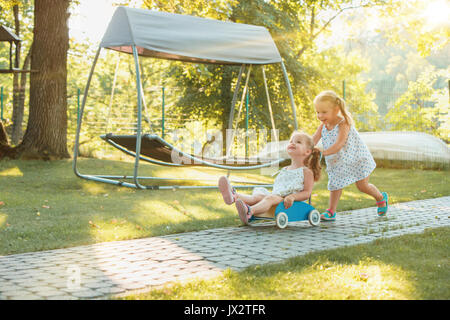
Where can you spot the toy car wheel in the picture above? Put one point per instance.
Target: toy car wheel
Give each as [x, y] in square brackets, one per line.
[282, 220]
[314, 217]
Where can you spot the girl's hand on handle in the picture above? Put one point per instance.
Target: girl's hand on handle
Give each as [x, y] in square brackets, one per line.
[333, 159]
[288, 201]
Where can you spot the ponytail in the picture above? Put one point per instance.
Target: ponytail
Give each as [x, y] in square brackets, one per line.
[345, 113]
[313, 163]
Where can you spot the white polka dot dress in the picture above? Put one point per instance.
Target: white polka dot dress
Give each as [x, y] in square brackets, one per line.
[352, 163]
[286, 183]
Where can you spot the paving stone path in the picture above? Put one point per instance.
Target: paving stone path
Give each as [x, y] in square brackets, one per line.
[102, 270]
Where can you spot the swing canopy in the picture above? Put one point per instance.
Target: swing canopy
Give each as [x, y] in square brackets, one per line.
[189, 38]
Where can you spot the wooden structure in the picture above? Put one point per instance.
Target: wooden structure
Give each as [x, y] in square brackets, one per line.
[9, 36]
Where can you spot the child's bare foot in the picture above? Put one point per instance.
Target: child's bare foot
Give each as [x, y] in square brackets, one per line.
[228, 192]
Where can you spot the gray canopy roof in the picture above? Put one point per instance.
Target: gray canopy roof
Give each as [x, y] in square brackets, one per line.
[188, 38]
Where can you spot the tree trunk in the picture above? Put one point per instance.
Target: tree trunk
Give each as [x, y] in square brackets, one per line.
[19, 85]
[19, 102]
[46, 134]
[5, 149]
[17, 114]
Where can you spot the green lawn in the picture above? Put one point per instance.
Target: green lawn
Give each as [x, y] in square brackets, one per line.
[408, 267]
[43, 205]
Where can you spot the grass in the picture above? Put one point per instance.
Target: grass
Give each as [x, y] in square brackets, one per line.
[43, 205]
[408, 267]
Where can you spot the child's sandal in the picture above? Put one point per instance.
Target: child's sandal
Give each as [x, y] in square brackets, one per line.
[227, 190]
[328, 216]
[383, 210]
[243, 211]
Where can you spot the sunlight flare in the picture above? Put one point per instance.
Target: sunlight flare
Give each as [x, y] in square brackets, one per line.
[3, 218]
[11, 172]
[437, 13]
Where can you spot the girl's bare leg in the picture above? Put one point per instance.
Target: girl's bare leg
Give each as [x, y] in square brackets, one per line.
[249, 199]
[368, 188]
[266, 203]
[335, 195]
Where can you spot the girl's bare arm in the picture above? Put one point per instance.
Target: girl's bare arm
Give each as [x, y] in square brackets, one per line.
[305, 193]
[344, 129]
[317, 135]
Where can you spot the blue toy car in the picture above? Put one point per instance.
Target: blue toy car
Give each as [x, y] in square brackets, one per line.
[299, 211]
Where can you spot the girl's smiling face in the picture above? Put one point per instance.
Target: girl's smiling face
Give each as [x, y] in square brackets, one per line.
[297, 145]
[327, 112]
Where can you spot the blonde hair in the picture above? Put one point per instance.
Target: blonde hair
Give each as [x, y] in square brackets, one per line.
[313, 160]
[331, 96]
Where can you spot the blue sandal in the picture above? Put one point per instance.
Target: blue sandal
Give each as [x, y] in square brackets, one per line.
[383, 210]
[328, 216]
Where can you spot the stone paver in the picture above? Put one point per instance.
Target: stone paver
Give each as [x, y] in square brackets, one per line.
[101, 270]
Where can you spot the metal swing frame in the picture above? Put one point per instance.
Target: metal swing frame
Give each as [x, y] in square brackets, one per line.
[115, 179]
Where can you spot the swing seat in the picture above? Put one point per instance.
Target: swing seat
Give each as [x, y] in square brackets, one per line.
[154, 149]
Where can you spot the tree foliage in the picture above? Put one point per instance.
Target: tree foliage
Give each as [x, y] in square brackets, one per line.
[9, 4]
[294, 25]
[398, 66]
[421, 107]
[204, 92]
[411, 28]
